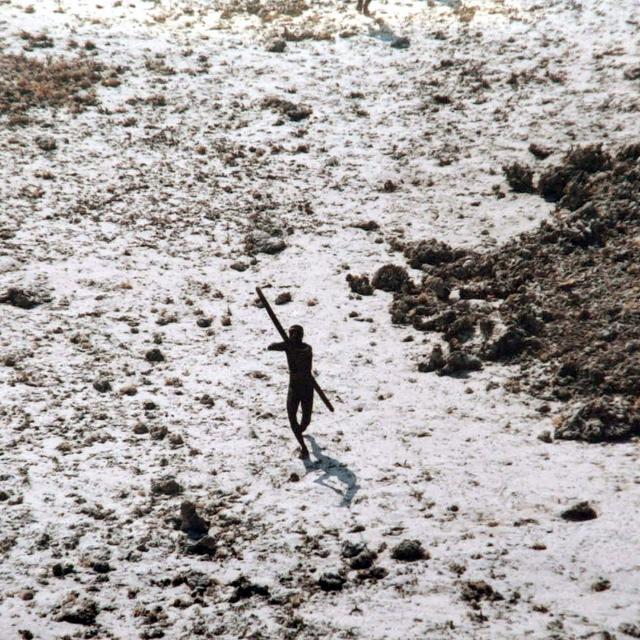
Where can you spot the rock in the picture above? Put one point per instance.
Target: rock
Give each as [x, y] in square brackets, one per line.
[244, 589]
[507, 344]
[409, 551]
[580, 512]
[197, 581]
[191, 523]
[262, 242]
[545, 436]
[82, 612]
[129, 390]
[102, 385]
[435, 362]
[60, 570]
[599, 421]
[352, 549]
[331, 582]
[360, 285]
[166, 486]
[401, 42]
[431, 252]
[141, 429]
[601, 584]
[474, 591]
[551, 184]
[277, 46]
[239, 266]
[100, 566]
[539, 151]
[204, 323]
[460, 362]
[46, 143]
[438, 286]
[370, 225]
[630, 629]
[283, 298]
[519, 176]
[24, 298]
[374, 573]
[204, 546]
[4, 496]
[363, 560]
[590, 158]
[154, 355]
[390, 277]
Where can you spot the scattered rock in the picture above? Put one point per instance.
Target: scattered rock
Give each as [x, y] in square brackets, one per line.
[154, 355]
[352, 549]
[331, 582]
[283, 298]
[580, 512]
[370, 225]
[545, 436]
[277, 46]
[262, 242]
[363, 560]
[435, 362]
[244, 589]
[239, 266]
[166, 486]
[401, 42]
[204, 323]
[360, 285]
[539, 151]
[203, 546]
[24, 298]
[82, 612]
[474, 591]
[630, 629]
[601, 584]
[191, 523]
[460, 362]
[601, 420]
[102, 385]
[520, 177]
[46, 143]
[409, 551]
[391, 277]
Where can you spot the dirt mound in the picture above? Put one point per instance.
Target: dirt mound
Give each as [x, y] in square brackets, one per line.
[565, 297]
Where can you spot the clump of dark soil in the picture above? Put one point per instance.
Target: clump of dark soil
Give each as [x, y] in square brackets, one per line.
[562, 301]
[520, 177]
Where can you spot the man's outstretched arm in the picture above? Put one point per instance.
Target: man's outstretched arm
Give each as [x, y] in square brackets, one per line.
[277, 346]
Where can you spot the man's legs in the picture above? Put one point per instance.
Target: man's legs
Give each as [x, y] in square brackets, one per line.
[365, 8]
[293, 402]
[359, 5]
[306, 400]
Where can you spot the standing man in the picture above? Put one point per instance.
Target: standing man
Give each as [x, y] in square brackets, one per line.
[299, 358]
[363, 6]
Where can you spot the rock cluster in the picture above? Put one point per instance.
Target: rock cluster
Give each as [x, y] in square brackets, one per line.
[562, 301]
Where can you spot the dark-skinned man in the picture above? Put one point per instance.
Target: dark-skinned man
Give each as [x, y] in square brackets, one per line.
[299, 358]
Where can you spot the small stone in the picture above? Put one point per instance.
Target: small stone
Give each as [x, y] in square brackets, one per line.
[352, 549]
[545, 436]
[244, 589]
[166, 485]
[46, 143]
[101, 567]
[83, 612]
[363, 560]
[294, 477]
[276, 46]
[101, 385]
[283, 298]
[191, 523]
[204, 546]
[601, 584]
[390, 277]
[204, 323]
[435, 362]
[369, 225]
[409, 551]
[331, 582]
[4, 496]
[129, 390]
[141, 429]
[476, 590]
[239, 266]
[401, 43]
[630, 629]
[154, 355]
[580, 512]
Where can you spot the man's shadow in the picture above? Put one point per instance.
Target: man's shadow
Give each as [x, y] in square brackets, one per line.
[332, 468]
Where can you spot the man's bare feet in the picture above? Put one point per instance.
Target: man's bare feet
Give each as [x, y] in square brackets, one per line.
[304, 454]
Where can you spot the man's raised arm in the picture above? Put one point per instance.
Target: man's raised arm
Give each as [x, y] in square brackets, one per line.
[277, 346]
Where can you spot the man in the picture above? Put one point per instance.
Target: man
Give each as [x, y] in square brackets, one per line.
[363, 6]
[299, 358]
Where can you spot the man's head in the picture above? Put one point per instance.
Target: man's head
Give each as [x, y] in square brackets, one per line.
[296, 332]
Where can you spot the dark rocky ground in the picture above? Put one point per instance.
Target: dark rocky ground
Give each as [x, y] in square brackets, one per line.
[562, 301]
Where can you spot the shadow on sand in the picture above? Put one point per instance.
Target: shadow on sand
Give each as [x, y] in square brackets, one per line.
[332, 468]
